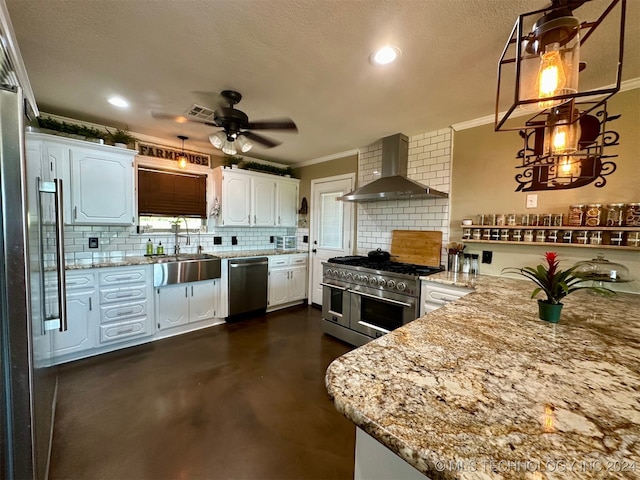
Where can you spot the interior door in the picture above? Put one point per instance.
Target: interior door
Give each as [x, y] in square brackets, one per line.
[331, 227]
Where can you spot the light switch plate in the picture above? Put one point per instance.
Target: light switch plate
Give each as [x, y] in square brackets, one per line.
[532, 201]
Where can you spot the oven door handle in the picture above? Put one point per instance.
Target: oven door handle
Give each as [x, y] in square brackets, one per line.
[387, 300]
[344, 289]
[374, 327]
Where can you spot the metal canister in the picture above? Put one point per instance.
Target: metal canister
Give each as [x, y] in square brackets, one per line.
[615, 214]
[576, 215]
[593, 215]
[632, 216]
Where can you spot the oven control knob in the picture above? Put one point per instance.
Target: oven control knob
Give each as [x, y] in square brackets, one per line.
[401, 286]
[356, 277]
[382, 282]
[373, 281]
[391, 284]
[364, 278]
[342, 274]
[329, 272]
[349, 276]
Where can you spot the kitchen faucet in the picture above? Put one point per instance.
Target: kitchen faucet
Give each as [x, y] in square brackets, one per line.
[176, 249]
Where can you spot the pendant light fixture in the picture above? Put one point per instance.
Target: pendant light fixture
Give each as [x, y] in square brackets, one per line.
[541, 62]
[563, 133]
[182, 157]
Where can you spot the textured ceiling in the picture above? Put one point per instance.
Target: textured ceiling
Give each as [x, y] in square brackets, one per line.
[303, 59]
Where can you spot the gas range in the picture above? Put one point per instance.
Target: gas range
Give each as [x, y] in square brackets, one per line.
[364, 299]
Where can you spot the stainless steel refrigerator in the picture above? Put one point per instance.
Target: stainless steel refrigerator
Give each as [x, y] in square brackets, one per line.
[31, 279]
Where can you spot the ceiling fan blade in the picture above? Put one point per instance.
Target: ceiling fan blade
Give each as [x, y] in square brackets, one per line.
[264, 141]
[275, 124]
[180, 118]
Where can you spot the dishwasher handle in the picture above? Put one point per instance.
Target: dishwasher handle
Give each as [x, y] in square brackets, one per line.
[248, 262]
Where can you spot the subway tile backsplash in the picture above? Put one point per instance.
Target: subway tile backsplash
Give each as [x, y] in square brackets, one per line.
[119, 242]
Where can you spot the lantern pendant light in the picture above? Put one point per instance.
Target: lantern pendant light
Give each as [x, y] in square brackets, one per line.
[182, 157]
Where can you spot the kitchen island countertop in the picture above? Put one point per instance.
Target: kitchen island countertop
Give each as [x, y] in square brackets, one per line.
[482, 389]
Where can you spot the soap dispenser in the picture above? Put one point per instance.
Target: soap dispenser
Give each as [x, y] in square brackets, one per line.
[160, 249]
[149, 247]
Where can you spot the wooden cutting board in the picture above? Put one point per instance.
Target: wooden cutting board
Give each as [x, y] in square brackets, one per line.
[416, 246]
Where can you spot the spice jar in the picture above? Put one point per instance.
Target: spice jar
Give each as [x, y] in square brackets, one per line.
[495, 234]
[540, 236]
[500, 220]
[617, 238]
[583, 237]
[517, 235]
[528, 235]
[523, 220]
[632, 217]
[615, 214]
[466, 233]
[596, 238]
[486, 234]
[552, 236]
[593, 215]
[477, 234]
[480, 219]
[557, 219]
[504, 235]
[489, 219]
[534, 219]
[576, 214]
[633, 239]
[547, 219]
[511, 219]
[567, 236]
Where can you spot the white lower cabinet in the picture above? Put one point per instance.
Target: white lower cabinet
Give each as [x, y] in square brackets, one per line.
[80, 334]
[434, 295]
[287, 280]
[186, 303]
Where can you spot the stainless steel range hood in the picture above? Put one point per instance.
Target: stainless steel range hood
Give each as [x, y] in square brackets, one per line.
[394, 184]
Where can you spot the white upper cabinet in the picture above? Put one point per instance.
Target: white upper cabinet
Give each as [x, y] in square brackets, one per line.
[250, 199]
[97, 179]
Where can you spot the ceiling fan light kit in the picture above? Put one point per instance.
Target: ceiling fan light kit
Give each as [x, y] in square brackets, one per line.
[237, 131]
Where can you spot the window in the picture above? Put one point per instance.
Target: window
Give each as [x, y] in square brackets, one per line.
[170, 193]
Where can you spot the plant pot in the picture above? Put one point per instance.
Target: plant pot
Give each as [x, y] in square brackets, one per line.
[549, 312]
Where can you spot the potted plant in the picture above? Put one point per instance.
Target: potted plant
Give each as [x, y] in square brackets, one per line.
[555, 283]
[232, 161]
[121, 138]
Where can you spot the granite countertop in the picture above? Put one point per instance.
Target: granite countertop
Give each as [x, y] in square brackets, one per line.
[482, 389]
[138, 260]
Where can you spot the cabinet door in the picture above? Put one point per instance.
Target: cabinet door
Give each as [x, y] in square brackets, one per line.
[263, 203]
[287, 204]
[278, 286]
[236, 200]
[202, 301]
[173, 306]
[298, 283]
[80, 334]
[101, 187]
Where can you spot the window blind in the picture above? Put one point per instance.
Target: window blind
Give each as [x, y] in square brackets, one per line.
[170, 193]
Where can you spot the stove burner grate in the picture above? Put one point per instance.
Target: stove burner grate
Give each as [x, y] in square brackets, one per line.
[385, 266]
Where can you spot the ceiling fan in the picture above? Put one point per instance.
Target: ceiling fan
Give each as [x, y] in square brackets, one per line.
[236, 130]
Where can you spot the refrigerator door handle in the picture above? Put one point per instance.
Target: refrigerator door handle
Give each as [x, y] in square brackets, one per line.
[62, 287]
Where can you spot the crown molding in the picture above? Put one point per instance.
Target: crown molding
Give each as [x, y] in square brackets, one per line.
[624, 86]
[327, 158]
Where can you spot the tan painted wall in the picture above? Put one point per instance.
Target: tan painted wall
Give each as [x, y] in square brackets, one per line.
[483, 171]
[339, 166]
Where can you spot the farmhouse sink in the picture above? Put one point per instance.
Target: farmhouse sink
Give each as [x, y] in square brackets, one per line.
[185, 268]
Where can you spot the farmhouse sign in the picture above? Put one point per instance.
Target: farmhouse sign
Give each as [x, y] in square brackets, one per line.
[168, 153]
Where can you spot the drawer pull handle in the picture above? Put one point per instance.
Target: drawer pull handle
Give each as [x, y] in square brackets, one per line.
[128, 330]
[128, 312]
[126, 295]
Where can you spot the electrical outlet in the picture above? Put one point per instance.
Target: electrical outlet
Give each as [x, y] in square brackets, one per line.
[271, 239]
[217, 240]
[234, 240]
[532, 200]
[93, 242]
[305, 239]
[487, 257]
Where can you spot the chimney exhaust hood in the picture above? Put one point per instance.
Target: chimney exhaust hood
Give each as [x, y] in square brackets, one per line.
[394, 184]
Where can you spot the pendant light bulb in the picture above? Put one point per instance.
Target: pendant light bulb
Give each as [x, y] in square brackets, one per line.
[551, 79]
[182, 157]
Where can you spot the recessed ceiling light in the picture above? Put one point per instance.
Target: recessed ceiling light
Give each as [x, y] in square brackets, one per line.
[118, 102]
[385, 55]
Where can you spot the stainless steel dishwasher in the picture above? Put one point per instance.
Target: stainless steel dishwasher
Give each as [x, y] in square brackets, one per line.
[248, 285]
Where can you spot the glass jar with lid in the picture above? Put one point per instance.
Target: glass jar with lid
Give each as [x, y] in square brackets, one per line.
[632, 217]
[617, 237]
[541, 236]
[593, 215]
[552, 236]
[596, 237]
[582, 237]
[600, 269]
[528, 236]
[615, 214]
[576, 215]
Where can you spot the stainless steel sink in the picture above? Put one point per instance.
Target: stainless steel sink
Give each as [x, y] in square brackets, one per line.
[185, 268]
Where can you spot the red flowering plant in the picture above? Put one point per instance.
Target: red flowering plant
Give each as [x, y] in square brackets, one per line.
[555, 283]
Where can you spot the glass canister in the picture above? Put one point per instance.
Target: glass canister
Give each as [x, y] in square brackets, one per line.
[504, 235]
[576, 215]
[552, 236]
[615, 214]
[541, 236]
[477, 234]
[547, 219]
[511, 219]
[528, 236]
[632, 216]
[500, 220]
[583, 237]
[557, 219]
[617, 238]
[489, 219]
[480, 219]
[495, 234]
[466, 233]
[596, 237]
[486, 234]
[523, 219]
[593, 215]
[516, 235]
[534, 219]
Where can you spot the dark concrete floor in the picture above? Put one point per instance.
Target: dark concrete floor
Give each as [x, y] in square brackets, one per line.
[238, 401]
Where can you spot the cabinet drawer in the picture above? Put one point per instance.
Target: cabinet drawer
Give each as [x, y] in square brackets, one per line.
[442, 294]
[124, 330]
[297, 259]
[129, 293]
[117, 277]
[76, 281]
[115, 313]
[278, 261]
